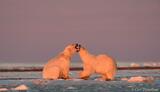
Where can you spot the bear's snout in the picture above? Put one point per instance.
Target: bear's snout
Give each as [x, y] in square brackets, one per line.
[77, 46]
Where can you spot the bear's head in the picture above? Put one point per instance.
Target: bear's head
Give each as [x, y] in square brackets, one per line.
[72, 48]
[80, 48]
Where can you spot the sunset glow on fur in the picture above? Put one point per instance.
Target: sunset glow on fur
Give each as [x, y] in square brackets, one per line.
[101, 64]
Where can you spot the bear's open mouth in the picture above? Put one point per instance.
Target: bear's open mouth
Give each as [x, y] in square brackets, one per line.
[78, 46]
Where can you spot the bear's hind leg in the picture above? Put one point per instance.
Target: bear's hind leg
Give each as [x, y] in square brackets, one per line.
[109, 76]
[52, 73]
[65, 74]
[103, 78]
[84, 75]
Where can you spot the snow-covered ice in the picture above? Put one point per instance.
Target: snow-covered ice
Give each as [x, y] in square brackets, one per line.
[140, 79]
[3, 89]
[34, 82]
[21, 87]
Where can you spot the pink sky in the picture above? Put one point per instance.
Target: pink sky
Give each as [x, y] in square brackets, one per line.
[35, 30]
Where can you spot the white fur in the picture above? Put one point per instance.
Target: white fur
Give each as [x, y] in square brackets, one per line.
[101, 64]
[58, 67]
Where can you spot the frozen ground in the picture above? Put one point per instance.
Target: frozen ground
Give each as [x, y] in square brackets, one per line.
[35, 83]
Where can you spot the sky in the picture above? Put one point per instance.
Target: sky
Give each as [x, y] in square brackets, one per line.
[37, 30]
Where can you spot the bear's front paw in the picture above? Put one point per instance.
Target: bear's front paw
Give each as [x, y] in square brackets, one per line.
[67, 77]
[84, 75]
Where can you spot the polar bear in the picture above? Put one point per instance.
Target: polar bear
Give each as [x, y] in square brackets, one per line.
[58, 67]
[101, 64]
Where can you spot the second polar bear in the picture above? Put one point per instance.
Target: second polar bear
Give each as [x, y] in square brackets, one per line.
[101, 64]
[58, 67]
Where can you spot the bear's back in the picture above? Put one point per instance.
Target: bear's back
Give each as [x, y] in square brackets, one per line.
[105, 62]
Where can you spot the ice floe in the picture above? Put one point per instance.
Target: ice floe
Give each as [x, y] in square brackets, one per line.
[21, 87]
[3, 89]
[124, 79]
[138, 79]
[134, 65]
[71, 88]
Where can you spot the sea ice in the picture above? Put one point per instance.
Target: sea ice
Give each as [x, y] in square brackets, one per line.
[21, 87]
[71, 88]
[124, 79]
[140, 79]
[76, 79]
[134, 65]
[40, 82]
[3, 89]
